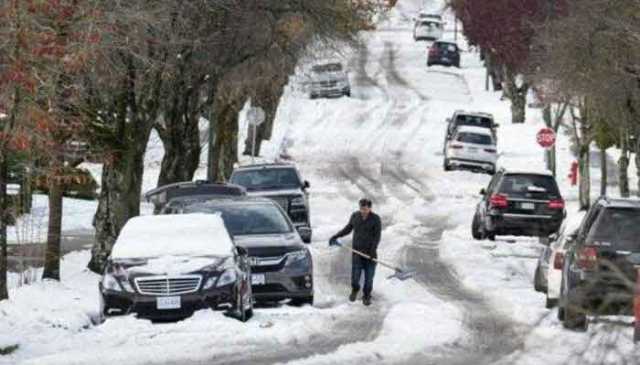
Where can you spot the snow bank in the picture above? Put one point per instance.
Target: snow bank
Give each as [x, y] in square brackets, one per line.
[173, 235]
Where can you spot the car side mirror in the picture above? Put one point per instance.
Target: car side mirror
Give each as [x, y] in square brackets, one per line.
[496, 125]
[483, 192]
[305, 233]
[306, 184]
[242, 251]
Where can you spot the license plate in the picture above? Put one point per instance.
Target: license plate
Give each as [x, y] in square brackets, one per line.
[258, 279]
[163, 303]
[473, 149]
[528, 206]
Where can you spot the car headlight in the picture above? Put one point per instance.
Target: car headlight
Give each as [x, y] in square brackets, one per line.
[210, 283]
[228, 276]
[299, 201]
[109, 282]
[297, 257]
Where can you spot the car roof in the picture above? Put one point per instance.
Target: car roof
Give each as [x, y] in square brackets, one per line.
[515, 171]
[274, 165]
[477, 114]
[620, 202]
[224, 201]
[474, 129]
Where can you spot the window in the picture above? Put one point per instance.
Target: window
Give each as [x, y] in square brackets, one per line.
[281, 178]
[475, 121]
[617, 228]
[331, 67]
[530, 186]
[474, 138]
[247, 219]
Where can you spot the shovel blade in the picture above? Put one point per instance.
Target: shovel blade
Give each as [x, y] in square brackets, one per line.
[402, 275]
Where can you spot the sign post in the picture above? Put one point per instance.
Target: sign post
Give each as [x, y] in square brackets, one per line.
[256, 117]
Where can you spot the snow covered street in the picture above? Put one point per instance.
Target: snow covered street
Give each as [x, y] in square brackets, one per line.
[472, 302]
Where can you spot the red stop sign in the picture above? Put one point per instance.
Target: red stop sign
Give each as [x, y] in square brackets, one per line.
[546, 137]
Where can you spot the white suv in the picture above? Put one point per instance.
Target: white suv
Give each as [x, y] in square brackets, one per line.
[428, 29]
[329, 79]
[471, 147]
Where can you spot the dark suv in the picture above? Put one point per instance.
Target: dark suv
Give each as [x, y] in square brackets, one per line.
[283, 184]
[281, 264]
[598, 274]
[519, 203]
[444, 53]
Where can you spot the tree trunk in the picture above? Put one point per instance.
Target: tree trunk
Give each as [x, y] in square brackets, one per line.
[585, 177]
[603, 173]
[517, 95]
[226, 144]
[4, 292]
[52, 253]
[119, 198]
[181, 142]
[623, 169]
[265, 130]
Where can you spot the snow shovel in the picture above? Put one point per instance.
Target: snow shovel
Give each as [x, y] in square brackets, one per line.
[399, 274]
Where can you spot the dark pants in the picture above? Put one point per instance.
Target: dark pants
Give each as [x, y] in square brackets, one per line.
[359, 265]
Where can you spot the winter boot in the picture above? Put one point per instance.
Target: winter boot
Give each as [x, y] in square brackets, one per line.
[366, 300]
[353, 296]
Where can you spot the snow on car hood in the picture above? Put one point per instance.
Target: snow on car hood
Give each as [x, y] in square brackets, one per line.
[272, 240]
[173, 235]
[175, 265]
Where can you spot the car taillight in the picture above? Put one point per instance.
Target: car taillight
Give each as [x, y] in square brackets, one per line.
[558, 261]
[433, 51]
[588, 258]
[455, 146]
[498, 201]
[490, 150]
[556, 204]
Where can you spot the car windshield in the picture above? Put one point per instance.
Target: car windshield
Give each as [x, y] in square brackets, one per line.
[331, 67]
[475, 138]
[447, 47]
[267, 179]
[246, 219]
[617, 228]
[430, 24]
[529, 186]
[475, 121]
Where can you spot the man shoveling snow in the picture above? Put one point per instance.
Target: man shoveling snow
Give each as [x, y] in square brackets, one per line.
[366, 227]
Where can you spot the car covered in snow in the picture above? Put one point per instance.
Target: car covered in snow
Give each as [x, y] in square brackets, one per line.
[281, 264]
[471, 148]
[444, 54]
[168, 266]
[547, 277]
[329, 79]
[428, 29]
[519, 203]
[599, 275]
[282, 183]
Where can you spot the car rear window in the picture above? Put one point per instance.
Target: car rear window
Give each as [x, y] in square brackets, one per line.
[430, 24]
[448, 47]
[476, 121]
[617, 228]
[475, 138]
[259, 179]
[530, 186]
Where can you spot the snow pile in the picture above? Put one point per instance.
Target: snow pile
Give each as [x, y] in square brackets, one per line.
[173, 235]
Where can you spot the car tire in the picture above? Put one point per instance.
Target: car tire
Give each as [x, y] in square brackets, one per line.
[429, 64]
[537, 285]
[551, 303]
[476, 233]
[313, 96]
[574, 318]
[446, 165]
[348, 93]
[298, 302]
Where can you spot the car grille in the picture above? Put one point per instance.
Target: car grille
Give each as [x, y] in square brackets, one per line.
[164, 285]
[332, 83]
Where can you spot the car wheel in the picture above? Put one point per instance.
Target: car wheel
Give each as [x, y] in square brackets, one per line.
[429, 64]
[302, 301]
[348, 93]
[551, 303]
[313, 96]
[446, 165]
[537, 285]
[574, 316]
[475, 228]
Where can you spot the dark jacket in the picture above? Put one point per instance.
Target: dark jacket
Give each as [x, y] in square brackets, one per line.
[366, 233]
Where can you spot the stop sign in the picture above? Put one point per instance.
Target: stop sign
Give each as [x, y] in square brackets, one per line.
[546, 137]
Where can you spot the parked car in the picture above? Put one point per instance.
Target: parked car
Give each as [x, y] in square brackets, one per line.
[598, 276]
[281, 264]
[167, 267]
[472, 119]
[519, 203]
[444, 54]
[329, 79]
[197, 189]
[283, 184]
[428, 29]
[547, 278]
[472, 148]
